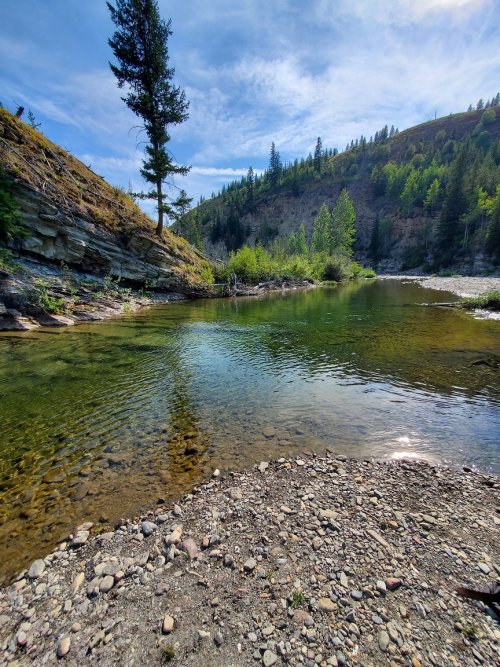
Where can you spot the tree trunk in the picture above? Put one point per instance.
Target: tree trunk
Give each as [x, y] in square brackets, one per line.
[159, 227]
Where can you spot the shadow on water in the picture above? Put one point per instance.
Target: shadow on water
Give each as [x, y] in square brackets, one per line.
[102, 420]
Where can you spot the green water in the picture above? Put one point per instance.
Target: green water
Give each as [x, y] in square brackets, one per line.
[102, 420]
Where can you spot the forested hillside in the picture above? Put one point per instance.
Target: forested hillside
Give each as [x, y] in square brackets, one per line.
[427, 197]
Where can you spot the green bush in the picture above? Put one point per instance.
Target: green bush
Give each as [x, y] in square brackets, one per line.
[6, 261]
[206, 274]
[488, 300]
[361, 271]
[337, 269]
[9, 211]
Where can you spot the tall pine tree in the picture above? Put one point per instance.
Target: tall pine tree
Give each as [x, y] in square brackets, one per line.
[140, 47]
[275, 166]
[317, 156]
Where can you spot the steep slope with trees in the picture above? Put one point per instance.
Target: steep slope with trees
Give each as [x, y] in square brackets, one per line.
[425, 198]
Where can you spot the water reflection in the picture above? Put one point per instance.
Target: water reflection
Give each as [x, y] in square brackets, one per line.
[105, 419]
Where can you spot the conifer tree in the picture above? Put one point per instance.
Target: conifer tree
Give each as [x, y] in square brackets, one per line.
[275, 166]
[249, 184]
[454, 206]
[140, 47]
[317, 156]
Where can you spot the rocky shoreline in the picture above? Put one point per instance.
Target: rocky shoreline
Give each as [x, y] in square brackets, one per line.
[315, 560]
[48, 296]
[459, 285]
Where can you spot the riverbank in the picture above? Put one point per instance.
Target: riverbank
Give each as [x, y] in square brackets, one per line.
[315, 560]
[39, 295]
[459, 285]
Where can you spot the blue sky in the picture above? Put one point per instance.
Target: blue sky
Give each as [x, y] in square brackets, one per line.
[255, 71]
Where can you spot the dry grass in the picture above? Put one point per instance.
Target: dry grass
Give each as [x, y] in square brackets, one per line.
[32, 159]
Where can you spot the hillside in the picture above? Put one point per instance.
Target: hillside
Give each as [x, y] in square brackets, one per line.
[64, 218]
[45, 175]
[399, 222]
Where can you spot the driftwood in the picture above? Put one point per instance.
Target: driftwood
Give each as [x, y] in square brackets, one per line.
[490, 595]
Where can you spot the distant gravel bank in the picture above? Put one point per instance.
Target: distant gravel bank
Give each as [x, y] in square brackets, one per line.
[460, 285]
[313, 561]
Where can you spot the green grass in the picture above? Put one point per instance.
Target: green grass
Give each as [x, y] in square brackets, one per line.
[471, 631]
[487, 300]
[297, 600]
[167, 653]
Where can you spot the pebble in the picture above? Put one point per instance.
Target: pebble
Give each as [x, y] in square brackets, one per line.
[249, 565]
[325, 604]
[168, 624]
[288, 570]
[63, 647]
[37, 569]
[148, 528]
[106, 584]
[269, 658]
[383, 640]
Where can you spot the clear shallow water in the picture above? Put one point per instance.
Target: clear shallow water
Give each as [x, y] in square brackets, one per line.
[101, 420]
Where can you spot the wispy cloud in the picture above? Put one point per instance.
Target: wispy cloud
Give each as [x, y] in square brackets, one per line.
[254, 72]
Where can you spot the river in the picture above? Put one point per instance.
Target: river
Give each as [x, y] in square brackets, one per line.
[104, 420]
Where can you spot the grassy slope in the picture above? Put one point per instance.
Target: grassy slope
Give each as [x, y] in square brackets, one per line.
[33, 160]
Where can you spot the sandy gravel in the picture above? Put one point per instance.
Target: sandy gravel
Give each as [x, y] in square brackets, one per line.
[313, 561]
[460, 285]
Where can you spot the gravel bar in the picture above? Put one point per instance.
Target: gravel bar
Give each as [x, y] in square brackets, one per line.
[317, 560]
[460, 285]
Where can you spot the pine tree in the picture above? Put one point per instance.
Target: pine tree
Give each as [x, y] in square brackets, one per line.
[317, 156]
[249, 184]
[140, 47]
[275, 166]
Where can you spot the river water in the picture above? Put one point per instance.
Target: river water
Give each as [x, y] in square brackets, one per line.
[103, 420]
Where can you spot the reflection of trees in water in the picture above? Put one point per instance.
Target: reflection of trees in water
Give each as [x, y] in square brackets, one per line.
[373, 332]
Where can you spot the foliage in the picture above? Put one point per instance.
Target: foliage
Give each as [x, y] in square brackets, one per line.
[322, 230]
[297, 599]
[167, 653]
[6, 261]
[343, 230]
[140, 47]
[440, 171]
[337, 268]
[40, 296]
[487, 300]
[206, 274]
[334, 232]
[9, 211]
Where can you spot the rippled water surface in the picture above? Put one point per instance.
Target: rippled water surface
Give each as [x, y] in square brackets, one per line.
[102, 420]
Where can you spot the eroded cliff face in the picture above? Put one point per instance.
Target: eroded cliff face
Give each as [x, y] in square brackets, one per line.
[134, 258]
[76, 236]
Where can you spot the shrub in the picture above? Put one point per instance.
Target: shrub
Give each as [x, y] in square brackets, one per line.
[206, 274]
[9, 211]
[488, 300]
[338, 269]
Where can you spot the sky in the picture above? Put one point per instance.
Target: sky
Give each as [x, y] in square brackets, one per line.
[254, 72]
